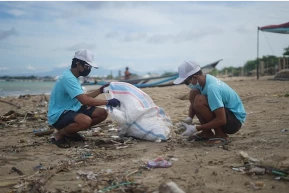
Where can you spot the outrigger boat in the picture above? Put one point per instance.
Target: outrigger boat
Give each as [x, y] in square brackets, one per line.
[156, 81]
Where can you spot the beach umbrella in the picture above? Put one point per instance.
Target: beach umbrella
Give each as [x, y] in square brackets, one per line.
[280, 28]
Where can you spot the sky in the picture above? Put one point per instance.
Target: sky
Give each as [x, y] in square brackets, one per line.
[38, 36]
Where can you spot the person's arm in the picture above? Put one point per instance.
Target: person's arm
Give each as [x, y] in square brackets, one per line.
[85, 99]
[193, 93]
[219, 120]
[97, 92]
[216, 105]
[94, 93]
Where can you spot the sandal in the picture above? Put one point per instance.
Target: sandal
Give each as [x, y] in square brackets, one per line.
[197, 137]
[217, 142]
[61, 143]
[75, 137]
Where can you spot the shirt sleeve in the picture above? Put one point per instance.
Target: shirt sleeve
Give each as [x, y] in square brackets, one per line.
[215, 98]
[72, 87]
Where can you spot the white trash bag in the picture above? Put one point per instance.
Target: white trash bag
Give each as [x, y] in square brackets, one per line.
[137, 115]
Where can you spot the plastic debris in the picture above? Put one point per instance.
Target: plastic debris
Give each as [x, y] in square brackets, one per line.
[89, 174]
[170, 187]
[38, 167]
[245, 156]
[159, 163]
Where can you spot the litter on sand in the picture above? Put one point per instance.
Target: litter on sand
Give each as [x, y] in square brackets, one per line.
[159, 163]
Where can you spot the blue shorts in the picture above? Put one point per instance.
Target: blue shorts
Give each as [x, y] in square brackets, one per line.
[67, 117]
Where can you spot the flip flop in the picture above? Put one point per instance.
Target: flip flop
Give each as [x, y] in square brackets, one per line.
[159, 163]
[75, 137]
[222, 141]
[61, 143]
[197, 137]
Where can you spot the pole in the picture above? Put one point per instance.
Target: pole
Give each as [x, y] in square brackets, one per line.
[257, 53]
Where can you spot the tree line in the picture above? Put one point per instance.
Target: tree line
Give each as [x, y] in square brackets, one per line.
[269, 63]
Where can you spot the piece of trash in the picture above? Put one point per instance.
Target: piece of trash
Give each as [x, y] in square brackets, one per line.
[284, 130]
[91, 133]
[39, 130]
[159, 163]
[112, 129]
[89, 174]
[170, 187]
[174, 159]
[38, 167]
[18, 171]
[114, 136]
[43, 131]
[245, 156]
[257, 185]
[158, 140]
[257, 170]
[97, 129]
[279, 173]
[239, 169]
[121, 147]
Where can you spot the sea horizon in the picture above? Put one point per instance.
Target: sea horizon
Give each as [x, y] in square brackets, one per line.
[17, 88]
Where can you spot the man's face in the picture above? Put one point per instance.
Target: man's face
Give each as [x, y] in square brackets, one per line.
[84, 69]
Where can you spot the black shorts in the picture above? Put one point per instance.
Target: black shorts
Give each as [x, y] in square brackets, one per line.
[67, 117]
[233, 125]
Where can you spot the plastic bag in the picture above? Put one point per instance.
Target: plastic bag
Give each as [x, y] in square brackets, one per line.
[137, 115]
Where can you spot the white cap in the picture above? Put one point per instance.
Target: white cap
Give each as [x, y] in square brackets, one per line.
[186, 69]
[85, 55]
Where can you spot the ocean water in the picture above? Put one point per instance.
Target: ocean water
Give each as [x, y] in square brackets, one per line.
[16, 88]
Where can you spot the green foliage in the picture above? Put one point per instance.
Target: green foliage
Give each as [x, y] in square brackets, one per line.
[286, 51]
[109, 76]
[168, 73]
[20, 77]
[214, 72]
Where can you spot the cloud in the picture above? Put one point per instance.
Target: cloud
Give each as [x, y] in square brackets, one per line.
[30, 68]
[8, 33]
[81, 46]
[163, 38]
[3, 69]
[147, 35]
[96, 5]
[15, 12]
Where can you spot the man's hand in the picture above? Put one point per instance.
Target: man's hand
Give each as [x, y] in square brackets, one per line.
[113, 102]
[101, 88]
[190, 129]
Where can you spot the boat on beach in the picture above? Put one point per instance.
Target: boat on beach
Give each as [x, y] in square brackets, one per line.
[159, 81]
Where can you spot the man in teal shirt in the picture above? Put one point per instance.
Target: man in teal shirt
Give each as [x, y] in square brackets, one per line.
[217, 106]
[71, 110]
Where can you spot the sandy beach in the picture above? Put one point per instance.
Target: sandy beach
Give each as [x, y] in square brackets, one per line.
[119, 167]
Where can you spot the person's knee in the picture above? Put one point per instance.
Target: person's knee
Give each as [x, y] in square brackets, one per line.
[85, 122]
[200, 101]
[100, 113]
[104, 114]
[193, 94]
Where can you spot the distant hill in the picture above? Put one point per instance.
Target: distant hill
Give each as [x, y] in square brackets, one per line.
[95, 72]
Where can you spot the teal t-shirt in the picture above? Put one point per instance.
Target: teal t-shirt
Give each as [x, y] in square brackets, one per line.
[220, 94]
[63, 96]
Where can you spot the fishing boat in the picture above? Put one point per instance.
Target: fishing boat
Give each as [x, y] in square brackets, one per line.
[159, 81]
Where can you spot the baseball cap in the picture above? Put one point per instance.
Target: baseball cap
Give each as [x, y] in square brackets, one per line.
[186, 69]
[85, 55]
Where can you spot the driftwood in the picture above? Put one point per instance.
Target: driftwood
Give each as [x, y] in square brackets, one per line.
[38, 183]
[10, 103]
